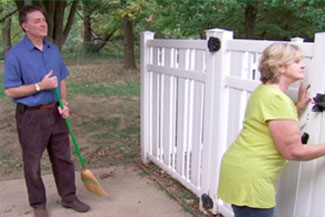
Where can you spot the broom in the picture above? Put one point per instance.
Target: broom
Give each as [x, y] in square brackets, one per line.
[87, 177]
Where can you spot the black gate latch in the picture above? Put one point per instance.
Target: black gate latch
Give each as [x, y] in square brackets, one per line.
[319, 103]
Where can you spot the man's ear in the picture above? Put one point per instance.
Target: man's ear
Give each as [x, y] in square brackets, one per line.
[24, 26]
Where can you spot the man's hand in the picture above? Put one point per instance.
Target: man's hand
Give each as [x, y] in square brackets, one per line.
[65, 112]
[48, 82]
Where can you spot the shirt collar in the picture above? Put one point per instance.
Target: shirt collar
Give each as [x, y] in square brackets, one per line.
[31, 46]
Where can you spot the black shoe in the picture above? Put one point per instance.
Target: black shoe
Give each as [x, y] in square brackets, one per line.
[77, 205]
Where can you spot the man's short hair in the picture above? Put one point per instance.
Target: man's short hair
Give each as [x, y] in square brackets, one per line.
[24, 11]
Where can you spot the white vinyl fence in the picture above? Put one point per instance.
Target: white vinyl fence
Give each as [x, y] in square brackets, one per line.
[192, 107]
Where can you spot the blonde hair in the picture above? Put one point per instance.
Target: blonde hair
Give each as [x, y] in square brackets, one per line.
[274, 56]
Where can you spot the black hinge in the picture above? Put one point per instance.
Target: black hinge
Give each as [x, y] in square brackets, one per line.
[319, 103]
[304, 138]
[214, 44]
[206, 201]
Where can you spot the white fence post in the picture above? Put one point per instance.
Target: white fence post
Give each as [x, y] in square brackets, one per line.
[217, 69]
[145, 95]
[319, 72]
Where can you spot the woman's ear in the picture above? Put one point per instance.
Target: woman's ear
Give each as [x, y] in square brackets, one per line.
[282, 69]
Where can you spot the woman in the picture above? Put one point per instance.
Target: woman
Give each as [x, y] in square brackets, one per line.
[270, 135]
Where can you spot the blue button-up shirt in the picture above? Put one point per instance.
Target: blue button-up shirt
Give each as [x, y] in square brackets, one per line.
[26, 64]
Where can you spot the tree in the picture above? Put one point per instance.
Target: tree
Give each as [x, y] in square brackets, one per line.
[87, 39]
[250, 18]
[131, 12]
[100, 14]
[6, 34]
[55, 14]
[129, 59]
[6, 11]
[268, 19]
[286, 19]
[190, 18]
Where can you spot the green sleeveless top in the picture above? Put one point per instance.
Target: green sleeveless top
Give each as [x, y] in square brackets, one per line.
[252, 165]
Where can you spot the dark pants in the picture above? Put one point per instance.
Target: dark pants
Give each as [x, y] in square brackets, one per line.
[245, 211]
[40, 129]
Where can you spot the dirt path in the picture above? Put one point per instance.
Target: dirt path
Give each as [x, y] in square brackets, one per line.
[130, 194]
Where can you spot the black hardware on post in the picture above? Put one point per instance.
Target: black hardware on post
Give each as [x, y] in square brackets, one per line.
[214, 44]
[206, 201]
[304, 138]
[319, 103]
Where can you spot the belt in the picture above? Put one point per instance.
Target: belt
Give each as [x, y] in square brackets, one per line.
[48, 106]
[22, 107]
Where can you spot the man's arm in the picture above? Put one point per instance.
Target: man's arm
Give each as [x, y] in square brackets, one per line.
[46, 83]
[63, 91]
[65, 112]
[21, 91]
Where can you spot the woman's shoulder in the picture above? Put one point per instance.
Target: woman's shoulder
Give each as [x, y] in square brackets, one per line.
[267, 91]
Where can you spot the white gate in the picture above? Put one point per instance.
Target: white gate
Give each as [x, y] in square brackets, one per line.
[192, 107]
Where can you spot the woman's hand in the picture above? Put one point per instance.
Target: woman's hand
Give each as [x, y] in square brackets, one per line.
[303, 99]
[65, 111]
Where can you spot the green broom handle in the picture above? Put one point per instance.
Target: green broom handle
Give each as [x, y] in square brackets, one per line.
[57, 93]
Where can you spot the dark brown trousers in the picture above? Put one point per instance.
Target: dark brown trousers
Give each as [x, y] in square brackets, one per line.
[40, 129]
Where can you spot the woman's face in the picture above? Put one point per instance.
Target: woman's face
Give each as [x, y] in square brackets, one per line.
[294, 71]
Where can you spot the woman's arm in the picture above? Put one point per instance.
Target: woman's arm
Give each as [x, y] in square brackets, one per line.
[286, 136]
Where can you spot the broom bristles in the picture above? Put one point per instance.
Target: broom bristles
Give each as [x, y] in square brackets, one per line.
[91, 183]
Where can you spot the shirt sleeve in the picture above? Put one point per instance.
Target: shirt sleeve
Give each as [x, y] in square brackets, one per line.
[64, 70]
[279, 107]
[12, 73]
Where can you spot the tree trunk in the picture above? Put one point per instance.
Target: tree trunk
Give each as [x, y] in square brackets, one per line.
[72, 12]
[97, 47]
[90, 34]
[250, 19]
[49, 8]
[129, 60]
[87, 39]
[6, 34]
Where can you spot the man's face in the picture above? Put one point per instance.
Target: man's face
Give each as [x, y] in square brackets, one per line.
[35, 26]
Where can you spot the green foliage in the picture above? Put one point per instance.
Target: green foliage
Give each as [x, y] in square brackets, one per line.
[275, 19]
[6, 8]
[188, 18]
[102, 16]
[286, 19]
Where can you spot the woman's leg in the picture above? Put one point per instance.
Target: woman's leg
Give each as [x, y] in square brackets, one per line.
[245, 211]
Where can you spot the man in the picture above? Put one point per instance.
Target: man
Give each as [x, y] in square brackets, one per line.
[33, 68]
